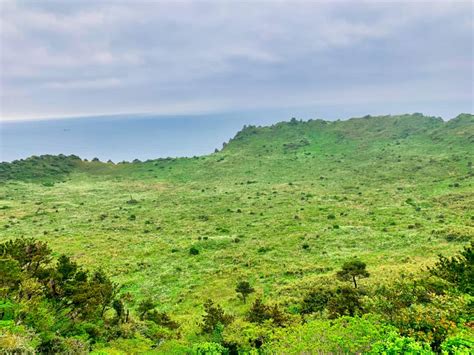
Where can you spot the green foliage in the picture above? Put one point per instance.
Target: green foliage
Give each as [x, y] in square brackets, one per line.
[31, 255]
[162, 319]
[345, 301]
[353, 270]
[247, 337]
[260, 312]
[145, 306]
[395, 344]
[134, 345]
[344, 335]
[10, 274]
[244, 289]
[208, 348]
[316, 300]
[60, 307]
[432, 322]
[17, 339]
[47, 168]
[462, 343]
[119, 309]
[193, 251]
[213, 317]
[458, 269]
[388, 300]
[427, 309]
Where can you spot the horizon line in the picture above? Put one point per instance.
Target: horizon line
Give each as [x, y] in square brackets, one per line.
[164, 115]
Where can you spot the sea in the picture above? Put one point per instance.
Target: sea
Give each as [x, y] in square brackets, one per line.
[127, 137]
[124, 137]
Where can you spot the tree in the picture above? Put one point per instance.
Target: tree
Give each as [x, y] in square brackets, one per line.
[244, 288]
[459, 269]
[214, 317]
[260, 312]
[105, 290]
[316, 300]
[161, 318]
[62, 281]
[66, 267]
[344, 302]
[144, 307]
[353, 270]
[278, 316]
[10, 276]
[32, 255]
[119, 308]
[90, 295]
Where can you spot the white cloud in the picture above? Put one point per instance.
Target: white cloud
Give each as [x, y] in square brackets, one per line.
[84, 84]
[158, 54]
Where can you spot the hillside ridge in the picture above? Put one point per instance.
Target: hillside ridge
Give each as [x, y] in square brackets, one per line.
[279, 139]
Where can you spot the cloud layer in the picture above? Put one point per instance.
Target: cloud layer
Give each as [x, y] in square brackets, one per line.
[90, 57]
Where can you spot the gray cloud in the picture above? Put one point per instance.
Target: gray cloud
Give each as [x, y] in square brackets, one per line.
[90, 57]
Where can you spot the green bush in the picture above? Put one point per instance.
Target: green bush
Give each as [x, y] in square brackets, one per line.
[351, 335]
[458, 269]
[214, 317]
[208, 348]
[462, 344]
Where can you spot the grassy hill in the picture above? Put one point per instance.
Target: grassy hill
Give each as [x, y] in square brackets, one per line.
[282, 207]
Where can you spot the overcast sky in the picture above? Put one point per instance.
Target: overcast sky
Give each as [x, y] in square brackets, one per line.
[69, 58]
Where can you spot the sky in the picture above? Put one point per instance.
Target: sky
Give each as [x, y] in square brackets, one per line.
[325, 59]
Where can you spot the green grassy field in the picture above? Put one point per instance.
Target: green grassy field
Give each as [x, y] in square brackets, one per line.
[282, 207]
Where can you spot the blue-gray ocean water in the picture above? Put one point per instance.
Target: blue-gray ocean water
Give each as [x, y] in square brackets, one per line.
[122, 137]
[128, 137]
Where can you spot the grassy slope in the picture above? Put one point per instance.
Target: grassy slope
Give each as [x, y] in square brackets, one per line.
[400, 189]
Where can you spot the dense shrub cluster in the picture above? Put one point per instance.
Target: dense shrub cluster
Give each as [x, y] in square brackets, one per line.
[47, 168]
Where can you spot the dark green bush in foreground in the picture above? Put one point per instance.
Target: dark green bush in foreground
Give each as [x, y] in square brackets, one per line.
[56, 306]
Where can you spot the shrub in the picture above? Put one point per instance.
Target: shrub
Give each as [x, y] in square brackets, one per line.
[395, 344]
[461, 344]
[458, 269]
[17, 339]
[316, 300]
[344, 301]
[259, 313]
[431, 322]
[132, 201]
[145, 306]
[346, 335]
[208, 348]
[162, 319]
